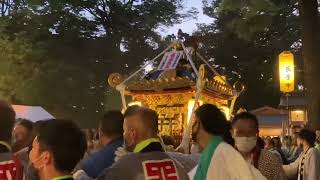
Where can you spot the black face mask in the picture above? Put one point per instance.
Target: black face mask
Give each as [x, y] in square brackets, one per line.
[195, 132]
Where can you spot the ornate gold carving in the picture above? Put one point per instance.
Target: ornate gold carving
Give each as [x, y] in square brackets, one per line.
[173, 108]
[160, 84]
[153, 100]
[169, 81]
[115, 79]
[168, 74]
[214, 85]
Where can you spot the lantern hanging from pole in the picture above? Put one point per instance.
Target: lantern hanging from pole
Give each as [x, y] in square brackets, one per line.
[286, 71]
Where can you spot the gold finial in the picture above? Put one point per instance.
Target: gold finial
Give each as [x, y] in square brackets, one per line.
[115, 79]
[239, 87]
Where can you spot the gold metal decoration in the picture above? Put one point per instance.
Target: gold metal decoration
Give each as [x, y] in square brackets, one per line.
[159, 84]
[115, 79]
[170, 95]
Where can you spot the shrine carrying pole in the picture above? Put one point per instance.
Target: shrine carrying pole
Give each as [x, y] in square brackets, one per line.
[184, 146]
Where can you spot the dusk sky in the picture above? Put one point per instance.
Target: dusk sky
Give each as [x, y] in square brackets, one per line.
[189, 25]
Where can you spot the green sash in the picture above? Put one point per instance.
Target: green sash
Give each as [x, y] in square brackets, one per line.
[205, 158]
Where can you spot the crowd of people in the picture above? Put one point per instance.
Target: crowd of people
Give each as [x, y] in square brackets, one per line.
[128, 146]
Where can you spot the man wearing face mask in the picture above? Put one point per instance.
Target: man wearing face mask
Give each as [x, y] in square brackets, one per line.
[148, 159]
[218, 159]
[245, 131]
[59, 145]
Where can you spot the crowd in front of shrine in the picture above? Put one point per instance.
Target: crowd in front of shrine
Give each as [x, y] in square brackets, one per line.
[127, 146]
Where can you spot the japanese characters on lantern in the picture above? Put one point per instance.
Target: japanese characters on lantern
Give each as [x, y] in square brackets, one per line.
[286, 71]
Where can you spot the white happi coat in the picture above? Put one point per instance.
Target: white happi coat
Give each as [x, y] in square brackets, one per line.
[228, 164]
[311, 165]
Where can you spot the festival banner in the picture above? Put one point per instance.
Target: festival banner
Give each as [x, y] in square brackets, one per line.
[170, 60]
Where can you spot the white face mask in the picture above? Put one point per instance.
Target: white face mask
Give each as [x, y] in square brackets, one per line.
[245, 144]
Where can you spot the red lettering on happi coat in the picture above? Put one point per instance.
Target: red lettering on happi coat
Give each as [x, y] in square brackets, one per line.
[160, 170]
[8, 170]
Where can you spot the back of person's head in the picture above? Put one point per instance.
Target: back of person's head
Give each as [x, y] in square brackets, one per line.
[64, 140]
[7, 120]
[247, 117]
[272, 143]
[23, 134]
[130, 110]
[145, 121]
[212, 119]
[168, 140]
[308, 136]
[25, 129]
[111, 124]
[149, 119]
[260, 142]
[228, 136]
[139, 125]
[27, 124]
[269, 143]
[277, 142]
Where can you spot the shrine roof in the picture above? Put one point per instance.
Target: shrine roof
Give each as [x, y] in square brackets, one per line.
[177, 72]
[171, 82]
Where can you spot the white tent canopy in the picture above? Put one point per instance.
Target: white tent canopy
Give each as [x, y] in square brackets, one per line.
[32, 113]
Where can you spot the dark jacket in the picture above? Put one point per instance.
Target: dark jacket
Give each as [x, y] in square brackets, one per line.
[104, 158]
[30, 172]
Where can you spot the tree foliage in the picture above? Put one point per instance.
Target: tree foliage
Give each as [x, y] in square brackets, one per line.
[58, 54]
[259, 16]
[245, 40]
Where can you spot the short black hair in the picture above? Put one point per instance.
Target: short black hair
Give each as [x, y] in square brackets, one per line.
[168, 140]
[247, 116]
[131, 110]
[64, 140]
[112, 124]
[7, 121]
[271, 142]
[228, 136]
[212, 120]
[260, 143]
[29, 125]
[150, 118]
[308, 135]
[277, 142]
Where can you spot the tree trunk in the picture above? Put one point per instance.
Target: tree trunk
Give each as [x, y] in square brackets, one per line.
[310, 26]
